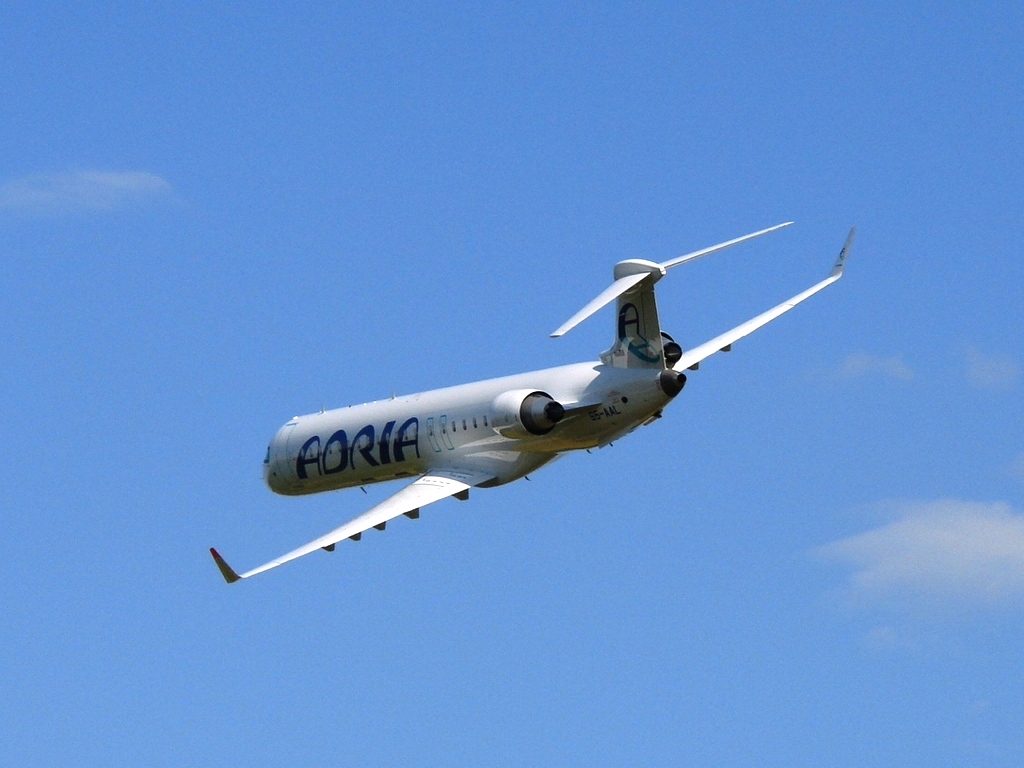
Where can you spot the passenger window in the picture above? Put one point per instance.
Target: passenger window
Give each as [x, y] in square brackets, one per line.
[474, 422]
[464, 424]
[485, 421]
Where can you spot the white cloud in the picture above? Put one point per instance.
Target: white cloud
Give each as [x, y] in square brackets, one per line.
[957, 554]
[991, 371]
[80, 191]
[859, 364]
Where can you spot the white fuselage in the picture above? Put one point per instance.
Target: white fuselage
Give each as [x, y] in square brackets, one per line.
[493, 432]
[469, 426]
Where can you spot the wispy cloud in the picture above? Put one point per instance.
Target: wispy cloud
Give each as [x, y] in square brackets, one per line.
[859, 364]
[949, 553]
[80, 191]
[991, 371]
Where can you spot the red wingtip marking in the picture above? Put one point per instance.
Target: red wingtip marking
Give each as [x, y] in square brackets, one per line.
[225, 570]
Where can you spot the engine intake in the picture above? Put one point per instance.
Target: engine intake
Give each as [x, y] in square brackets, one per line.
[671, 350]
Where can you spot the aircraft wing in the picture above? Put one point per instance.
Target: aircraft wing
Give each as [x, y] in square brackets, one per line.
[693, 356]
[431, 487]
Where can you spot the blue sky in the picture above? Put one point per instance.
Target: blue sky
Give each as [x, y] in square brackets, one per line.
[213, 219]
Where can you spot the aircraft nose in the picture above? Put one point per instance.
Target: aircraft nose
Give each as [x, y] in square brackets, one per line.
[278, 472]
[272, 477]
[275, 474]
[270, 471]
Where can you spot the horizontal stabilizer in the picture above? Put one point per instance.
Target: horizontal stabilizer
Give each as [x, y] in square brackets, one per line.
[627, 282]
[705, 251]
[609, 294]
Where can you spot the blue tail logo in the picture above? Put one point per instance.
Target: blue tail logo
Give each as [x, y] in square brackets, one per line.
[629, 334]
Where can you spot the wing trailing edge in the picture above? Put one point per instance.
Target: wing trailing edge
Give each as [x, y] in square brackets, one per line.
[431, 487]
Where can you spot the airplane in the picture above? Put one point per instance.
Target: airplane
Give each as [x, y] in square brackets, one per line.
[489, 433]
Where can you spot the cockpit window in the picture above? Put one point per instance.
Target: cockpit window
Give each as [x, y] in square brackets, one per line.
[266, 460]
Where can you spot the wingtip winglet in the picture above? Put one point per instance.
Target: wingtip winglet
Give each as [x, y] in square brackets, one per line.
[837, 270]
[226, 570]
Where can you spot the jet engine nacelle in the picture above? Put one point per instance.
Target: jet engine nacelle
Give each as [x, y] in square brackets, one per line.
[523, 413]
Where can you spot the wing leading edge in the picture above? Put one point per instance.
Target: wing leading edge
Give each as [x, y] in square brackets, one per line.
[693, 356]
[434, 486]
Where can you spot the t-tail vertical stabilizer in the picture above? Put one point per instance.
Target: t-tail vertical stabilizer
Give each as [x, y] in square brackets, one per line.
[638, 339]
[637, 331]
